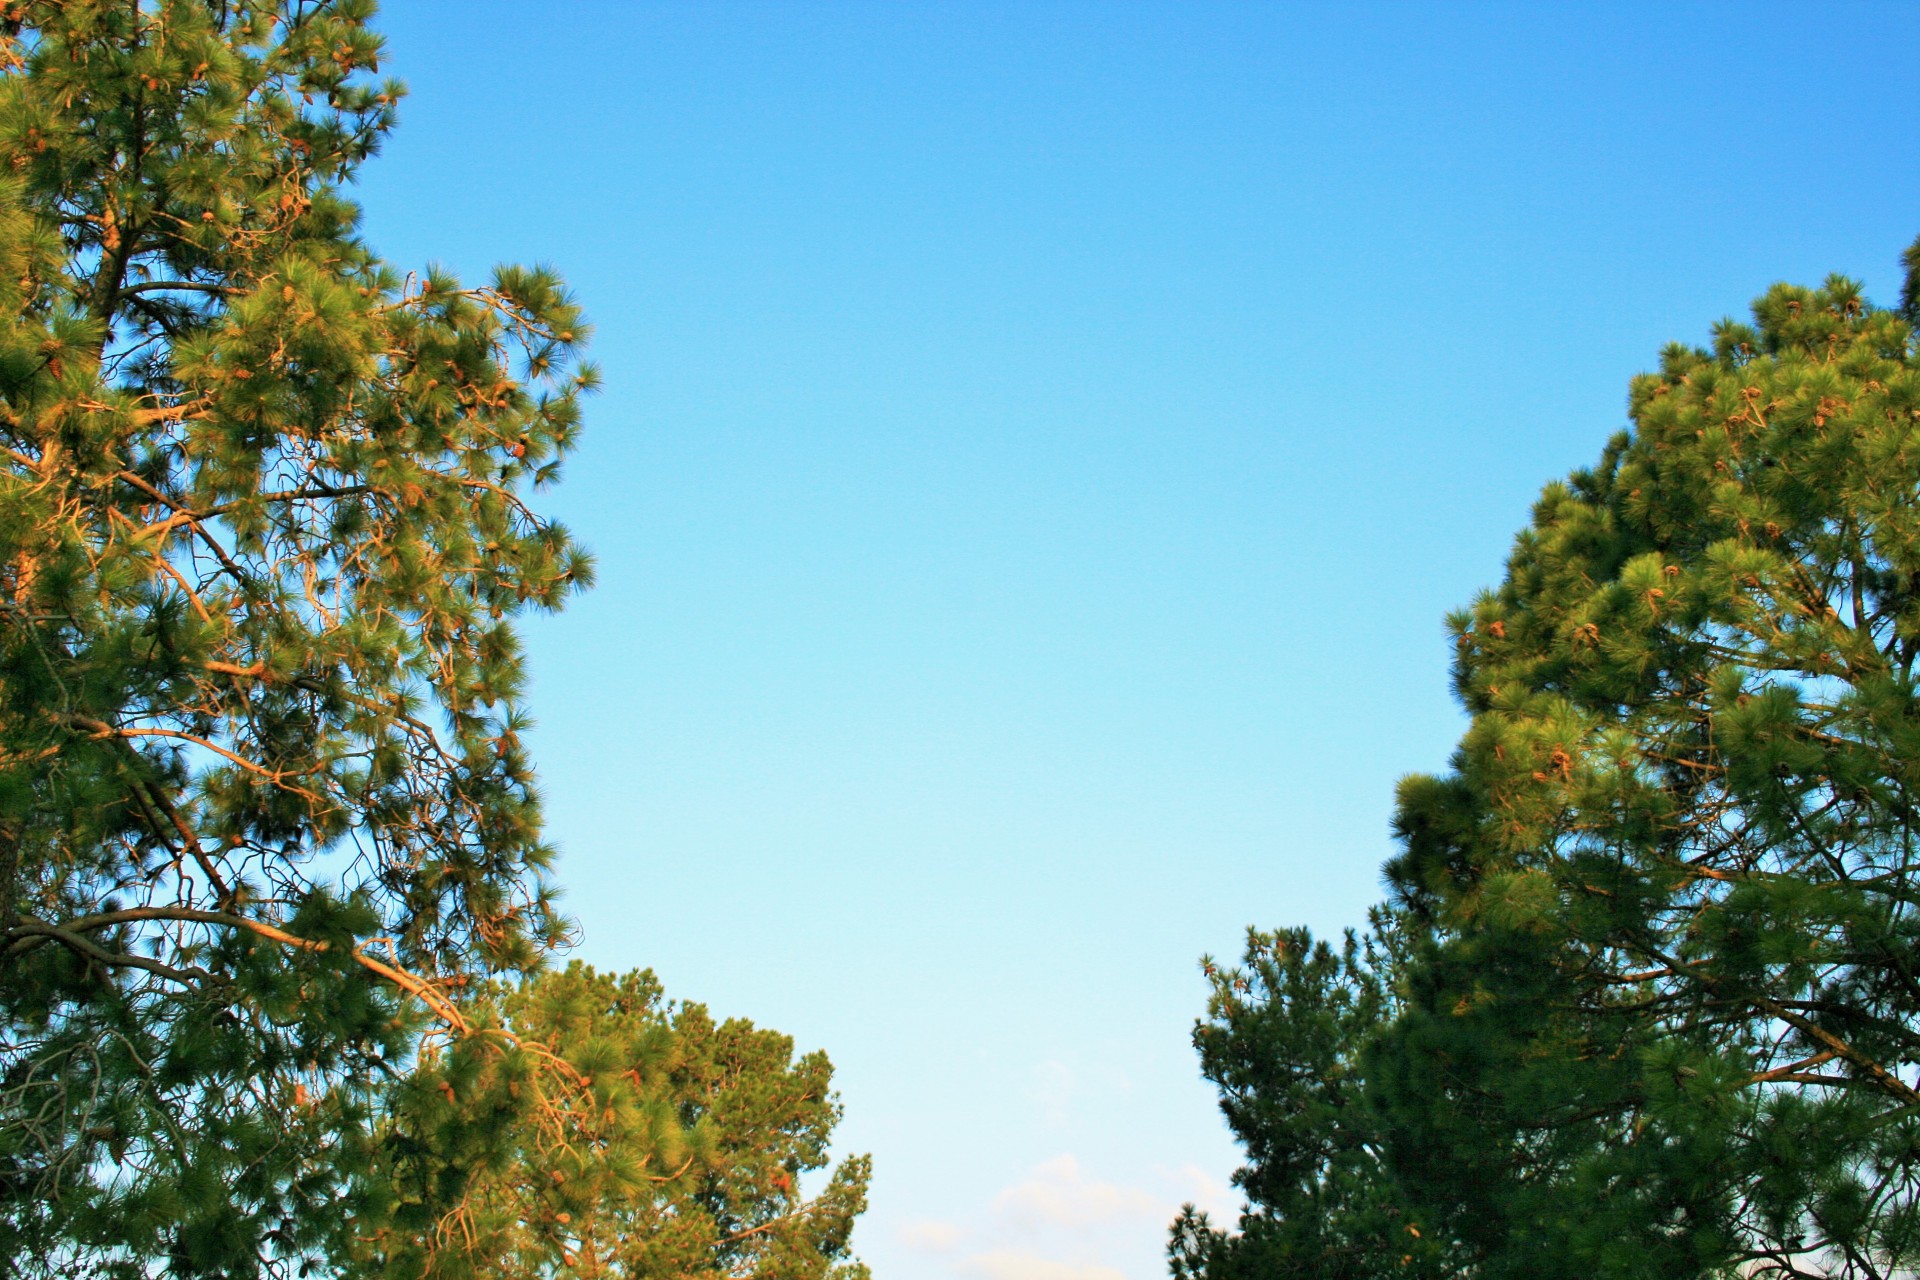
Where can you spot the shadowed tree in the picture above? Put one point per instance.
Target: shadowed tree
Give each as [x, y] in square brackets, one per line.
[1283, 1040]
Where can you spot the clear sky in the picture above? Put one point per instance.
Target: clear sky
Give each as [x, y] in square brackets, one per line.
[1040, 444]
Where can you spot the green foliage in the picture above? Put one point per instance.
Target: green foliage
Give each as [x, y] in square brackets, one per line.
[1668, 1019]
[263, 535]
[1675, 858]
[1282, 1040]
[591, 1129]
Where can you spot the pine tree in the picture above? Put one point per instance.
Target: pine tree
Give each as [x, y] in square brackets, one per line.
[264, 530]
[592, 1129]
[1662, 1017]
[1676, 855]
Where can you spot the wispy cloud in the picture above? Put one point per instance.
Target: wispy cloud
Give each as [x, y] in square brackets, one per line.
[1058, 1221]
[1058, 1193]
[1197, 1187]
[931, 1236]
[1004, 1264]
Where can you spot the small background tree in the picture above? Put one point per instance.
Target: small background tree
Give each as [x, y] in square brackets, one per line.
[590, 1129]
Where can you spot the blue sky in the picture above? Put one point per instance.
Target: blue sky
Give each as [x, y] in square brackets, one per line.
[1040, 444]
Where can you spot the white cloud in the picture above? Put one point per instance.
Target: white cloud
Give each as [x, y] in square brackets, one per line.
[1058, 1194]
[930, 1236]
[1005, 1264]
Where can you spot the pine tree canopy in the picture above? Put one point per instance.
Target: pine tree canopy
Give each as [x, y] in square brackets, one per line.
[264, 532]
[1658, 1009]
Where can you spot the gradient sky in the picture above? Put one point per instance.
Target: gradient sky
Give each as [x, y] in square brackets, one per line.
[1040, 444]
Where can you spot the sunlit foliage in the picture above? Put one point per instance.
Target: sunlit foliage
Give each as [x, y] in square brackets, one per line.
[264, 529]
